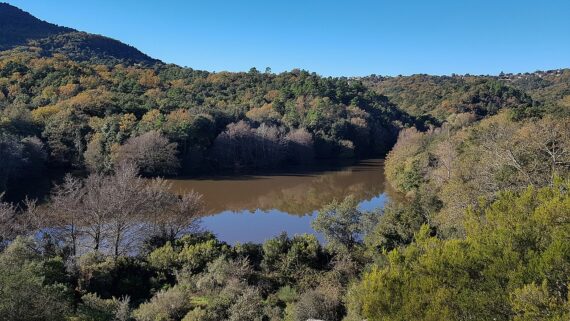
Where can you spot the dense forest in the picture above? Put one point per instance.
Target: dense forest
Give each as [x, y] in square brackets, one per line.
[81, 115]
[482, 162]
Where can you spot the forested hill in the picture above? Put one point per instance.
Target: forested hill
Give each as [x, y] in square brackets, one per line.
[482, 164]
[19, 28]
[442, 96]
[74, 100]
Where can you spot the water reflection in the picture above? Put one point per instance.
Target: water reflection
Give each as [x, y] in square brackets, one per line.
[252, 208]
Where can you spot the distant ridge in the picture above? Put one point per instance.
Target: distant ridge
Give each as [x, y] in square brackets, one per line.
[19, 28]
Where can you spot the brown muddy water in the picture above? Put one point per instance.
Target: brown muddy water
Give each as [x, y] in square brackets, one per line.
[256, 206]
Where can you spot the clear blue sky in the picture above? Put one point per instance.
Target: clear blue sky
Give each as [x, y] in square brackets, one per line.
[353, 37]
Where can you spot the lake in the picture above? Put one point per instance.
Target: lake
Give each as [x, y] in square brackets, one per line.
[254, 207]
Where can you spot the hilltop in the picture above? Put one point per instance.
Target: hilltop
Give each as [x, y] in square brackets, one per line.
[20, 29]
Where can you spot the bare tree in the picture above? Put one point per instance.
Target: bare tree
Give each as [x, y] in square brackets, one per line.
[446, 155]
[65, 207]
[300, 145]
[96, 208]
[8, 223]
[551, 139]
[183, 214]
[113, 208]
[151, 152]
[171, 215]
[243, 146]
[111, 211]
[128, 204]
[269, 145]
[18, 219]
[234, 145]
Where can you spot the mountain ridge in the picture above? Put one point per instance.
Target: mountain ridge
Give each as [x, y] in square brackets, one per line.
[19, 28]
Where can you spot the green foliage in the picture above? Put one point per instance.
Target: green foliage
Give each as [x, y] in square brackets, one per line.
[25, 292]
[189, 253]
[109, 277]
[93, 308]
[21, 158]
[290, 260]
[399, 222]
[166, 305]
[513, 244]
[85, 110]
[341, 224]
[440, 96]
[76, 100]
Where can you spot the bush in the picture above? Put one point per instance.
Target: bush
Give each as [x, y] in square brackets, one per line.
[166, 305]
[25, 294]
[511, 246]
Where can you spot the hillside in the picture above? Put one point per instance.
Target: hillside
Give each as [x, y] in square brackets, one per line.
[20, 29]
[466, 216]
[86, 98]
[441, 96]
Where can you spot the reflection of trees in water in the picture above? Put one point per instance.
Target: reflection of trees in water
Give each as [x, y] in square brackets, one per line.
[306, 198]
[294, 194]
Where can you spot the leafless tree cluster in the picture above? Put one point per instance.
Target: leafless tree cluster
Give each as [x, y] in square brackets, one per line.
[17, 219]
[537, 152]
[243, 146]
[498, 155]
[112, 213]
[445, 154]
[151, 152]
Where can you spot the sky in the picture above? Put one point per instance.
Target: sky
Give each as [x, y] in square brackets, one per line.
[330, 37]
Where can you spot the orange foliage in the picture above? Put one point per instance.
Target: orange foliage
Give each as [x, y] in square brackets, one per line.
[178, 83]
[263, 114]
[149, 79]
[127, 122]
[42, 114]
[68, 90]
[271, 95]
[179, 116]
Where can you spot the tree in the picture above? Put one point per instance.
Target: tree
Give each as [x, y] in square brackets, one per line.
[247, 307]
[300, 146]
[446, 156]
[11, 153]
[171, 215]
[25, 293]
[234, 146]
[94, 308]
[511, 246]
[16, 220]
[127, 206]
[65, 134]
[8, 222]
[166, 305]
[65, 210]
[151, 152]
[318, 304]
[340, 223]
